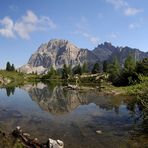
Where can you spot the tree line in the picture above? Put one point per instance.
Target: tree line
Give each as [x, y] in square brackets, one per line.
[119, 75]
[67, 71]
[129, 73]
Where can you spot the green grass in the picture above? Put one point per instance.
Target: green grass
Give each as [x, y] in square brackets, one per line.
[17, 78]
[138, 89]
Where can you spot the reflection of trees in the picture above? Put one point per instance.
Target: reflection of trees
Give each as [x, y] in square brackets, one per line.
[139, 111]
[10, 90]
[111, 103]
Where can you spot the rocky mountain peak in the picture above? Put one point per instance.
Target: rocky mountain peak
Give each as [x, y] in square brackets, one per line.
[56, 45]
[55, 53]
[105, 45]
[58, 52]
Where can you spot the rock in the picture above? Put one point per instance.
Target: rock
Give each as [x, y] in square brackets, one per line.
[55, 143]
[61, 143]
[99, 132]
[18, 128]
[28, 135]
[4, 81]
[30, 69]
[72, 86]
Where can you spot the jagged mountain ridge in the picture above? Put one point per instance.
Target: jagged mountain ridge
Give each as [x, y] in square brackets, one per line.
[57, 52]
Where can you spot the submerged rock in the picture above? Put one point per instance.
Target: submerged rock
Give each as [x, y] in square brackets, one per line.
[99, 132]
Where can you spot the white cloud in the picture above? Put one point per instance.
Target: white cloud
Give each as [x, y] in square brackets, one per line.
[30, 17]
[114, 35]
[7, 30]
[25, 25]
[82, 24]
[132, 26]
[135, 25]
[124, 7]
[93, 39]
[118, 3]
[82, 30]
[132, 11]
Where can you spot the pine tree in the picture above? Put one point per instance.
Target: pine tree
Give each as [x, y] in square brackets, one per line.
[52, 73]
[105, 66]
[85, 68]
[8, 66]
[12, 67]
[69, 70]
[96, 68]
[129, 64]
[114, 70]
[128, 75]
[78, 70]
[65, 72]
[142, 67]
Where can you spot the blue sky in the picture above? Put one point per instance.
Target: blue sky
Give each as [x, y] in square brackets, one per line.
[24, 25]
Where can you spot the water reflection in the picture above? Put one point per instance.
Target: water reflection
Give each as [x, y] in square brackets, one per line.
[59, 100]
[139, 113]
[70, 115]
[10, 90]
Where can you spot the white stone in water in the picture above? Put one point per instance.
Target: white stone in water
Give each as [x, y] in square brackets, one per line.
[18, 127]
[61, 143]
[99, 132]
[56, 143]
[26, 134]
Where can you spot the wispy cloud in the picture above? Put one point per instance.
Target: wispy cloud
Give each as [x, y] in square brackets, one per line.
[118, 3]
[13, 7]
[114, 35]
[124, 7]
[93, 39]
[135, 25]
[82, 29]
[24, 26]
[132, 11]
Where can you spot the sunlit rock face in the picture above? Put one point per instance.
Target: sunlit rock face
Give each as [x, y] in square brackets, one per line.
[55, 53]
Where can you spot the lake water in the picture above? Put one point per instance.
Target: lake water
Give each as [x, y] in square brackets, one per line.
[72, 116]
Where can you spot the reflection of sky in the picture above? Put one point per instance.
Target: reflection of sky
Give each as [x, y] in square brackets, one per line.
[19, 101]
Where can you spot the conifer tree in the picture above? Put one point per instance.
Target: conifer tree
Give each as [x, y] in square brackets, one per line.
[85, 68]
[105, 66]
[96, 68]
[8, 66]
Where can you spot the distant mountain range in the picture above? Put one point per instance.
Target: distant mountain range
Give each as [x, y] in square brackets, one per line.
[57, 52]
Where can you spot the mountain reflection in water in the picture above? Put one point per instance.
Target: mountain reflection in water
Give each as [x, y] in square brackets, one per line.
[70, 115]
[59, 100]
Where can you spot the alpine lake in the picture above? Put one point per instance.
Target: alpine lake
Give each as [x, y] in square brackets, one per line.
[82, 119]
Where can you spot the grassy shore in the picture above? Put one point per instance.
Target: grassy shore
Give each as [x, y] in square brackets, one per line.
[9, 78]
